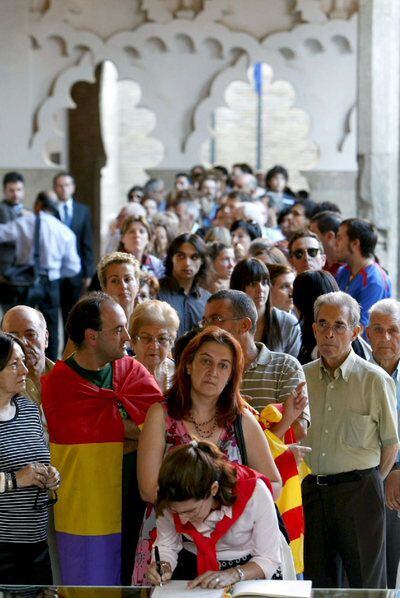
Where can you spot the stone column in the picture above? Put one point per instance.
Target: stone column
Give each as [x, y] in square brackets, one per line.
[378, 124]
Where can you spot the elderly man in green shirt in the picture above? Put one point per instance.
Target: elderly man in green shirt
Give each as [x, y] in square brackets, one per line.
[354, 444]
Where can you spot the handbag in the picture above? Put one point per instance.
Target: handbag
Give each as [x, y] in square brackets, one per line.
[20, 276]
[238, 428]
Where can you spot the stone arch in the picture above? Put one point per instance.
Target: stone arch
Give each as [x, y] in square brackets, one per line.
[229, 51]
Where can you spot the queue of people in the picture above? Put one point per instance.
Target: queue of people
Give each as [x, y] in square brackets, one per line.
[227, 395]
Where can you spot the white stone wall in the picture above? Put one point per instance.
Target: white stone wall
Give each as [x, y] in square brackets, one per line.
[182, 55]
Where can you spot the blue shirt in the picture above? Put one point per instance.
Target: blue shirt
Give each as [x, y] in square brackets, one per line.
[190, 307]
[396, 379]
[368, 286]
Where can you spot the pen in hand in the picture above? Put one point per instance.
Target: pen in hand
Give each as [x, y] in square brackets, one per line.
[158, 563]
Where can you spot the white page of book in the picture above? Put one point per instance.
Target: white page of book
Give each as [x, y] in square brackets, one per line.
[178, 589]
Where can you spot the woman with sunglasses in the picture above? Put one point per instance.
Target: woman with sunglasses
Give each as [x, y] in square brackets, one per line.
[277, 329]
[204, 402]
[26, 476]
[153, 327]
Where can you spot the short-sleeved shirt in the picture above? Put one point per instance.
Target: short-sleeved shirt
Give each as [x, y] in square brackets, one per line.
[369, 286]
[190, 307]
[271, 378]
[353, 415]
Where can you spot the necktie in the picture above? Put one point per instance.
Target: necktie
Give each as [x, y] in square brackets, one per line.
[67, 219]
[36, 247]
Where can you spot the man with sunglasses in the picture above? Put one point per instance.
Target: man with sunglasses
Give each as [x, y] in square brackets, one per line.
[354, 444]
[306, 252]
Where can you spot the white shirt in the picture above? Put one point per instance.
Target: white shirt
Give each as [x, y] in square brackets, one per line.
[256, 532]
[58, 254]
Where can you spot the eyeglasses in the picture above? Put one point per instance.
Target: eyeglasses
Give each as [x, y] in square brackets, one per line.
[311, 252]
[51, 500]
[216, 319]
[146, 339]
[338, 327]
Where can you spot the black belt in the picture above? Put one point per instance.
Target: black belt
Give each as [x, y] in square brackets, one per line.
[340, 478]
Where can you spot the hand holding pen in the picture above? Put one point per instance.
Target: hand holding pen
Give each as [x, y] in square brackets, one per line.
[159, 571]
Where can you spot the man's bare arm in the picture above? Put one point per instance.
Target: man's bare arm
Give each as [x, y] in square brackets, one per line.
[388, 458]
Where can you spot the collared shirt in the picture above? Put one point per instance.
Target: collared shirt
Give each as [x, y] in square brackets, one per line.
[32, 390]
[271, 378]
[368, 286]
[396, 379]
[58, 253]
[353, 415]
[190, 308]
[246, 536]
[61, 210]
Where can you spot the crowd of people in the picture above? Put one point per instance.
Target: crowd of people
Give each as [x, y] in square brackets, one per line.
[225, 402]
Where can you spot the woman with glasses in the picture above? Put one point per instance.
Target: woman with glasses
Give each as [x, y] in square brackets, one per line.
[153, 327]
[26, 476]
[277, 329]
[203, 403]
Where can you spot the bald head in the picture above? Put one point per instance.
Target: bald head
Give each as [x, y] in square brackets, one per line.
[29, 326]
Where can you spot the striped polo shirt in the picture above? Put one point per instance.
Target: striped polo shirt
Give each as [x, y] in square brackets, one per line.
[22, 442]
[271, 378]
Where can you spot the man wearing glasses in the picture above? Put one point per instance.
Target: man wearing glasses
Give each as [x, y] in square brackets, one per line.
[306, 252]
[269, 377]
[354, 444]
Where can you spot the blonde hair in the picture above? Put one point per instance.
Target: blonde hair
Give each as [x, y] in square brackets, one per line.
[154, 312]
[116, 257]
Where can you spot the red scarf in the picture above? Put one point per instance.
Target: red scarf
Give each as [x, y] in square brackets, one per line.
[207, 547]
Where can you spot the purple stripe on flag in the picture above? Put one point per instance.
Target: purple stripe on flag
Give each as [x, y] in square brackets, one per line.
[90, 560]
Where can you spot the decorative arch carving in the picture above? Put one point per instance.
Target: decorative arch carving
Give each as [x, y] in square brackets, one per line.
[222, 54]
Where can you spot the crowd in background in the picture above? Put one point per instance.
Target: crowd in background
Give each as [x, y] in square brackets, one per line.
[227, 311]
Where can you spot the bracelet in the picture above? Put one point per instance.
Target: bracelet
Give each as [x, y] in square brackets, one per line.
[9, 485]
[2, 482]
[240, 573]
[13, 480]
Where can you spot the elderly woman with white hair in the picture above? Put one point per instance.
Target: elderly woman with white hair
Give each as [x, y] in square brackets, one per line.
[153, 327]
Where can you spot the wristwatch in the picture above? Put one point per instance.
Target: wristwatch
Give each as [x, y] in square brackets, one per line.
[240, 573]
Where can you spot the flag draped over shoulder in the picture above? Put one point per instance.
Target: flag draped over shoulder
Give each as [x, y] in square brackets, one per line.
[86, 443]
[289, 501]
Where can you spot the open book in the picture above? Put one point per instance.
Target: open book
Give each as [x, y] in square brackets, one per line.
[242, 589]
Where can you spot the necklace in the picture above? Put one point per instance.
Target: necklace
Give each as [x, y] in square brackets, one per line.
[201, 427]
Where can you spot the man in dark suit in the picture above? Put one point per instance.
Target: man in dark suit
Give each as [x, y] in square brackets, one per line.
[10, 208]
[77, 217]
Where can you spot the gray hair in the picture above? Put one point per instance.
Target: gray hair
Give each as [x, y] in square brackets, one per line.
[192, 208]
[242, 305]
[388, 307]
[339, 299]
[153, 185]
